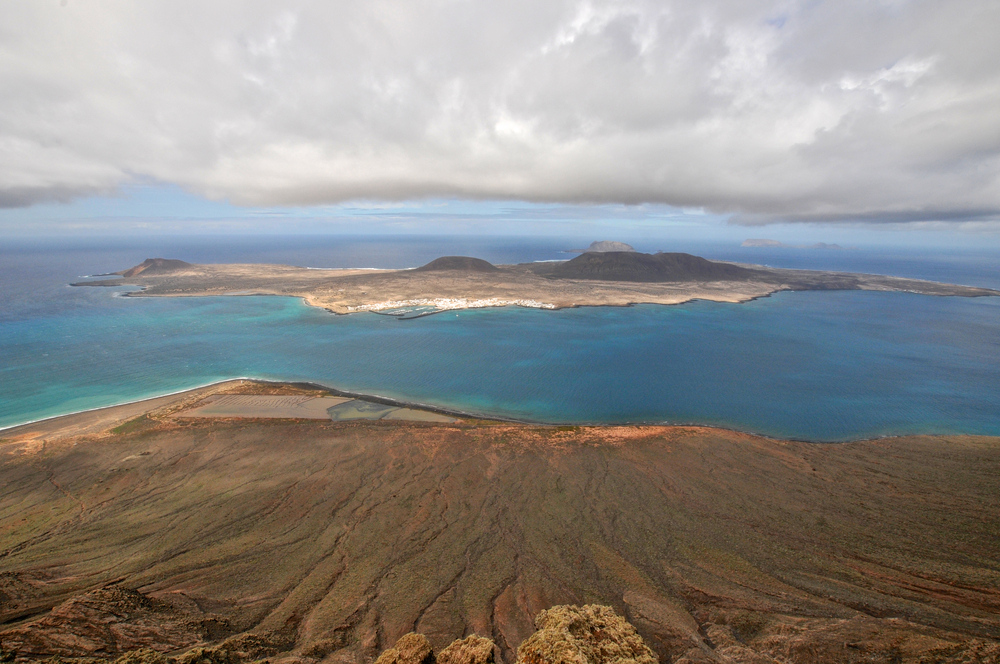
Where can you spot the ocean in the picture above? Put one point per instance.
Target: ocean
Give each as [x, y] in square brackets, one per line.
[821, 366]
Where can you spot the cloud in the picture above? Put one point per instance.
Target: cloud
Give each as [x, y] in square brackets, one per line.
[778, 110]
[881, 217]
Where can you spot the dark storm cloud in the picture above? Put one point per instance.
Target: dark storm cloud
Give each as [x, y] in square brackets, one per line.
[849, 110]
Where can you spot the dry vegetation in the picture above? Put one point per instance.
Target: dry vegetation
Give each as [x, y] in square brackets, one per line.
[331, 539]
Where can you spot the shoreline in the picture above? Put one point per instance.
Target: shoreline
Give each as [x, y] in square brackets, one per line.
[143, 292]
[373, 398]
[126, 403]
[500, 419]
[384, 308]
[410, 293]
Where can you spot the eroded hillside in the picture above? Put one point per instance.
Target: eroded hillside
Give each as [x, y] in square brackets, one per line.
[351, 534]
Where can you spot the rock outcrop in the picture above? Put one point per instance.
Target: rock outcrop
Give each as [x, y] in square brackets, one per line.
[106, 623]
[472, 649]
[409, 649]
[566, 634]
[589, 634]
[143, 656]
[247, 647]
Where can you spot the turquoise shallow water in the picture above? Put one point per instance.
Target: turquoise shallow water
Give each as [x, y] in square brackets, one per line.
[819, 366]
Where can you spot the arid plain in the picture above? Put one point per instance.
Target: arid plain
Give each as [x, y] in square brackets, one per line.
[327, 540]
[461, 282]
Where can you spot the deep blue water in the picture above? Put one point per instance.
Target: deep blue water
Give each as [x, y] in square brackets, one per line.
[818, 366]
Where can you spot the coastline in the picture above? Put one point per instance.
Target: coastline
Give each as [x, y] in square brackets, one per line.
[309, 301]
[790, 533]
[531, 285]
[133, 402]
[210, 388]
[459, 303]
[133, 408]
[214, 280]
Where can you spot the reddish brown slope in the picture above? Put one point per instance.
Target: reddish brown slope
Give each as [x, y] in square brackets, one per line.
[351, 535]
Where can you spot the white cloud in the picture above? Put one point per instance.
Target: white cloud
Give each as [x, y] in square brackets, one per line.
[769, 109]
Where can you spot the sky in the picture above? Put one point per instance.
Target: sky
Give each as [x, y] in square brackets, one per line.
[794, 119]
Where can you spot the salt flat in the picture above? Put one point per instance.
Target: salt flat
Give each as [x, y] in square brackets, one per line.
[257, 405]
[305, 407]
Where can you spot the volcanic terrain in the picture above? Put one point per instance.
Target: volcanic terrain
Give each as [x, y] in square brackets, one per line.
[328, 540]
[612, 278]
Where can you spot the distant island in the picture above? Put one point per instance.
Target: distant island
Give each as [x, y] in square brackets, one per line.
[603, 278]
[602, 246]
[781, 245]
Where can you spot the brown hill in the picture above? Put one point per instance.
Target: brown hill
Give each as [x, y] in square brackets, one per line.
[649, 268]
[154, 266]
[465, 263]
[334, 539]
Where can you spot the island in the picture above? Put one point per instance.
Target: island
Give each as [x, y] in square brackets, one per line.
[602, 246]
[604, 278]
[775, 244]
